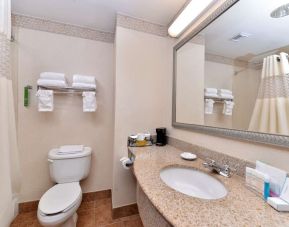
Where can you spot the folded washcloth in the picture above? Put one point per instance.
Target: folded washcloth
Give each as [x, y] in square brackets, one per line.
[228, 108]
[52, 83]
[211, 90]
[89, 101]
[226, 96]
[52, 76]
[84, 86]
[70, 149]
[83, 79]
[45, 100]
[209, 106]
[225, 91]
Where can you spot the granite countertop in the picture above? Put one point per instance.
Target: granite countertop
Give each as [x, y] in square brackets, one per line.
[240, 207]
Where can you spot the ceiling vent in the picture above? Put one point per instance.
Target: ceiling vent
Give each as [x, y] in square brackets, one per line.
[240, 36]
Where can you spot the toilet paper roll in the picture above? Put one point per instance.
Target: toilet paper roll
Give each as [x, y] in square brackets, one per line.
[126, 162]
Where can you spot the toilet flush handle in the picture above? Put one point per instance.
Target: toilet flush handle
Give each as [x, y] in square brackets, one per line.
[50, 160]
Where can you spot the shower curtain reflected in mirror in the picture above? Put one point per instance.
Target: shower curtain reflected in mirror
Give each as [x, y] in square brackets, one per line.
[271, 111]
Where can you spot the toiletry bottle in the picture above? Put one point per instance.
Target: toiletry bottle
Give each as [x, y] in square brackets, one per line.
[266, 193]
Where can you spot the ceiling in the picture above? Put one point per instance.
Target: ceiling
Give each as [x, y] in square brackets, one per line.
[98, 14]
[252, 17]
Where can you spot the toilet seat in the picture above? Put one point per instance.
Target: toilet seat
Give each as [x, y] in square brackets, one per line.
[60, 198]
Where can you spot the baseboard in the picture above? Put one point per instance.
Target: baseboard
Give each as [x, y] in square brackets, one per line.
[124, 211]
[86, 197]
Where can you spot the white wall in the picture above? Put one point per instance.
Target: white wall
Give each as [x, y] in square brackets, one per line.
[190, 84]
[142, 74]
[39, 132]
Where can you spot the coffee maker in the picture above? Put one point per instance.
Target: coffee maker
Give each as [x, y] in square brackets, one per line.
[161, 136]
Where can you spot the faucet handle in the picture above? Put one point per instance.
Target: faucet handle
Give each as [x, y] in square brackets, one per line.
[209, 162]
[228, 170]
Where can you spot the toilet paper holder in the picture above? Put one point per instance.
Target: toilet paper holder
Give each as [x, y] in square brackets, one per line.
[126, 162]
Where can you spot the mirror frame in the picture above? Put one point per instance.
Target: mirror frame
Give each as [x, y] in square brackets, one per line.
[265, 138]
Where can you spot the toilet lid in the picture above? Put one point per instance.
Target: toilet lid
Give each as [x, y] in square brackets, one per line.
[60, 197]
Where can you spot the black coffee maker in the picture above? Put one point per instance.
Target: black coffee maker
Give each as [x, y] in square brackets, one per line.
[161, 136]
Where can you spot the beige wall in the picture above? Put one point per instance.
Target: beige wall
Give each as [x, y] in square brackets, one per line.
[245, 87]
[143, 71]
[39, 132]
[190, 84]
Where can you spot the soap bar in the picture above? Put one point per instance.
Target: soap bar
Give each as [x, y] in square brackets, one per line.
[278, 204]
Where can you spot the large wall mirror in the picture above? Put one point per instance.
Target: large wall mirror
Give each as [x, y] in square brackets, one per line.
[231, 74]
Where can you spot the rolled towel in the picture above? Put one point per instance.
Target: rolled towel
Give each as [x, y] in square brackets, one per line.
[45, 100]
[52, 76]
[209, 106]
[83, 86]
[52, 83]
[211, 90]
[225, 91]
[89, 101]
[83, 79]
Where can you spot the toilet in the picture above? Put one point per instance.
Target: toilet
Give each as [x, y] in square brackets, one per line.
[58, 206]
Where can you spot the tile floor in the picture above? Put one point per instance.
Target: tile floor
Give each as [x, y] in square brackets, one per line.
[90, 214]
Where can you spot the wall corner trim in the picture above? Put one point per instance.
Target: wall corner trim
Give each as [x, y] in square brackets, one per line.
[45, 25]
[141, 25]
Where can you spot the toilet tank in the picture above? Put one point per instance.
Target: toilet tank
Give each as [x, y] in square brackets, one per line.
[66, 168]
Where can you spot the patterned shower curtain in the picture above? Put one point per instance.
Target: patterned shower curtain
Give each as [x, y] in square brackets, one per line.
[271, 112]
[9, 161]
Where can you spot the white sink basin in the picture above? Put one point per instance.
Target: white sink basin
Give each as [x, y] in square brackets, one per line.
[193, 183]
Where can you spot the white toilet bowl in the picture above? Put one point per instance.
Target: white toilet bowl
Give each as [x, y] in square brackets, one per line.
[57, 207]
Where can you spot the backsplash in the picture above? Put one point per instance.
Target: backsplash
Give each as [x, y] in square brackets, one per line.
[204, 153]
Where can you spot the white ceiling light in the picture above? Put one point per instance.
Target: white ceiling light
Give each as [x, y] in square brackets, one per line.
[192, 10]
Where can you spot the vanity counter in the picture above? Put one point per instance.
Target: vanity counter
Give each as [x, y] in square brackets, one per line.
[240, 207]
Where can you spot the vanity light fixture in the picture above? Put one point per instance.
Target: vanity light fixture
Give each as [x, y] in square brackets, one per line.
[190, 12]
[281, 11]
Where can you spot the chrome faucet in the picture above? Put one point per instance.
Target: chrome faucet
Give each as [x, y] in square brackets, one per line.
[223, 170]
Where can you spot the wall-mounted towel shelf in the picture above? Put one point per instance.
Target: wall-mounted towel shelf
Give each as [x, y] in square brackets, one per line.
[67, 90]
[218, 99]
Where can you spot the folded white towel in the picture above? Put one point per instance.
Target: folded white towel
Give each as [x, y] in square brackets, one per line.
[225, 91]
[52, 83]
[211, 90]
[45, 100]
[70, 149]
[226, 96]
[52, 76]
[83, 79]
[89, 101]
[211, 95]
[83, 86]
[209, 106]
[228, 108]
